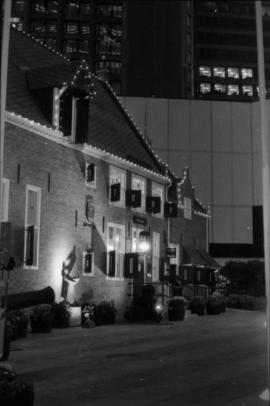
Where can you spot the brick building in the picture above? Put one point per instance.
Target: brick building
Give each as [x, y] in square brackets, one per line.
[89, 207]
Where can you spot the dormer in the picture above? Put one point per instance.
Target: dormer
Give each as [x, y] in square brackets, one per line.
[70, 113]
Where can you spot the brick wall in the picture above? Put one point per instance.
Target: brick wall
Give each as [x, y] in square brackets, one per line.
[59, 171]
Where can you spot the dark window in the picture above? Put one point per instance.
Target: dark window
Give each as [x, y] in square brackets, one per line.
[85, 8]
[72, 8]
[104, 10]
[83, 47]
[19, 6]
[71, 46]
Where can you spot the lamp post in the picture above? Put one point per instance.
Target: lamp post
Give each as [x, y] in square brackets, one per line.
[260, 11]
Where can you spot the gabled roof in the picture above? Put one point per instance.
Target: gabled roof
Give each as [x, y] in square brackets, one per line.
[33, 66]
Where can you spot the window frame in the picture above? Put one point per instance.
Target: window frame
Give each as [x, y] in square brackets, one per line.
[162, 198]
[93, 183]
[92, 265]
[37, 190]
[115, 171]
[139, 178]
[121, 252]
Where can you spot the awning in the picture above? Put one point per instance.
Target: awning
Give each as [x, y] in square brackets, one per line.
[199, 258]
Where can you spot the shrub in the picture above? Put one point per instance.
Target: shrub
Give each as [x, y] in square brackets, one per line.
[104, 313]
[41, 319]
[61, 316]
[246, 302]
[17, 322]
[14, 392]
[215, 304]
[176, 309]
[197, 305]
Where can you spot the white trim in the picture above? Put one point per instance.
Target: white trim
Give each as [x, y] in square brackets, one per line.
[37, 227]
[92, 184]
[57, 136]
[74, 119]
[5, 199]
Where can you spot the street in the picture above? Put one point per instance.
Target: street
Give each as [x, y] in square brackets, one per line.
[206, 361]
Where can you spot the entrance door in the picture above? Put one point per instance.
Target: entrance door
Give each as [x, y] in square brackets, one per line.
[135, 248]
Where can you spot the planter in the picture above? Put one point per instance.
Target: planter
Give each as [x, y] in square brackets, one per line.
[61, 315]
[41, 319]
[176, 310]
[75, 313]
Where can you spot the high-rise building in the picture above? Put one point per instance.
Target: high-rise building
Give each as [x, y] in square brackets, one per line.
[156, 48]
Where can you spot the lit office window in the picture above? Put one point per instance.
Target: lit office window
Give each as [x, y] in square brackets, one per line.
[117, 11]
[72, 28]
[220, 88]
[72, 8]
[84, 28]
[247, 90]
[51, 26]
[233, 90]
[38, 26]
[219, 71]
[205, 88]
[246, 73]
[233, 73]
[205, 71]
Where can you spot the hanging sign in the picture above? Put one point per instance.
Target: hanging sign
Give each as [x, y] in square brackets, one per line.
[139, 220]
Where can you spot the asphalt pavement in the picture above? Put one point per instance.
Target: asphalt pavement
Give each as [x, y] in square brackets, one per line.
[204, 360]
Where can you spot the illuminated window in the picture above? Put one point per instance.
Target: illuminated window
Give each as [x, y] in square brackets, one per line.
[72, 28]
[51, 26]
[219, 71]
[233, 73]
[40, 6]
[220, 88]
[85, 28]
[139, 183]
[39, 26]
[205, 71]
[205, 88]
[115, 250]
[233, 90]
[32, 226]
[246, 73]
[51, 42]
[117, 11]
[247, 90]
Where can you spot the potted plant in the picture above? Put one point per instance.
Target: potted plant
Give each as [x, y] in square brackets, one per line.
[177, 308]
[14, 392]
[41, 319]
[104, 313]
[197, 305]
[61, 315]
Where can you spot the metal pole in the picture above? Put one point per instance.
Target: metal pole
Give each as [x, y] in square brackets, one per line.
[4, 47]
[265, 168]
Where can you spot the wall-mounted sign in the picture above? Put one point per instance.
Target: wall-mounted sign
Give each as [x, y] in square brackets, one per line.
[139, 220]
[170, 252]
[187, 208]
